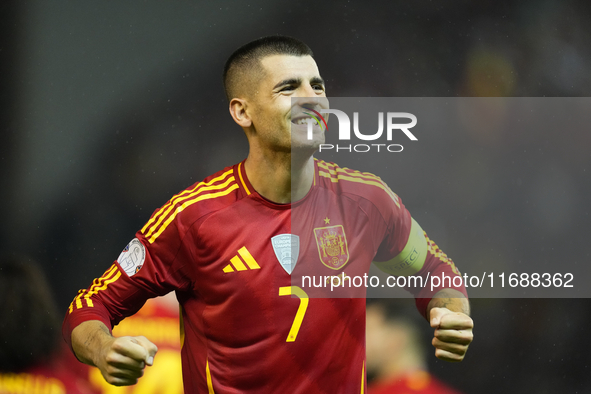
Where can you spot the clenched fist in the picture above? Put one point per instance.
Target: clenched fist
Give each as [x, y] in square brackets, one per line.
[453, 333]
[123, 359]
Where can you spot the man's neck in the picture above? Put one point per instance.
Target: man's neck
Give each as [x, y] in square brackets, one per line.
[280, 177]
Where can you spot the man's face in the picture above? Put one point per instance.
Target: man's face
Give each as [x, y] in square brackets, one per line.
[289, 86]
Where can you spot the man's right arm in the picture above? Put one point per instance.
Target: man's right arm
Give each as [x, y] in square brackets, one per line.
[118, 293]
[146, 268]
[121, 360]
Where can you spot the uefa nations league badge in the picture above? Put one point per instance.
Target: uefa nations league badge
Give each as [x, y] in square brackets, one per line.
[132, 258]
[287, 250]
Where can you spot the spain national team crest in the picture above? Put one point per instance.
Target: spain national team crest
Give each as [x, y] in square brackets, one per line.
[287, 250]
[332, 246]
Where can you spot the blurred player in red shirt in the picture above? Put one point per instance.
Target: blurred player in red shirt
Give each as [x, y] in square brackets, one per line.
[396, 353]
[32, 358]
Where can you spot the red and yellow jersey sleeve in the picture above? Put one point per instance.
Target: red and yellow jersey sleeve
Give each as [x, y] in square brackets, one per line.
[406, 250]
[156, 261]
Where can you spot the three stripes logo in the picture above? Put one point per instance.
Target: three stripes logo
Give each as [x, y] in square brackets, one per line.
[243, 261]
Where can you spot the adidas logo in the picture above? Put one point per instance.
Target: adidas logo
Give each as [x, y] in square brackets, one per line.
[237, 264]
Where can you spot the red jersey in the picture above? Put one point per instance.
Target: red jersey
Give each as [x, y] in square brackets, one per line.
[419, 382]
[236, 262]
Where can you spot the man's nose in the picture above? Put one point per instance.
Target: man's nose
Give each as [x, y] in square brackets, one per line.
[306, 90]
[308, 97]
[307, 101]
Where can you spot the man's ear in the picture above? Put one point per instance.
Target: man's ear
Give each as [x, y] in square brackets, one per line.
[239, 113]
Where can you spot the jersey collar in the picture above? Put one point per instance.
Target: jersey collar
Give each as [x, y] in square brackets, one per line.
[249, 191]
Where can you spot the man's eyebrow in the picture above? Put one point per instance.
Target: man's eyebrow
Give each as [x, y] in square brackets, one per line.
[317, 80]
[298, 81]
[291, 81]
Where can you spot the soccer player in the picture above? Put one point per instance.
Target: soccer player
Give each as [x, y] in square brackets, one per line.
[230, 245]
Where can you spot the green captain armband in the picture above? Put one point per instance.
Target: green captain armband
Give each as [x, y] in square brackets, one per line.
[412, 258]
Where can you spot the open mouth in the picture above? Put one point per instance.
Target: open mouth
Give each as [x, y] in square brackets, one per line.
[304, 120]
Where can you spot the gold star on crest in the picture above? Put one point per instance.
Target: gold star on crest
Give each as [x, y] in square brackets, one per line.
[326, 221]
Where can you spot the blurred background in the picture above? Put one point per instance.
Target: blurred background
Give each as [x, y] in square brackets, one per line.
[108, 109]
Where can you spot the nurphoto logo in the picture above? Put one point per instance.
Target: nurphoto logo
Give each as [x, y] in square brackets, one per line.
[392, 126]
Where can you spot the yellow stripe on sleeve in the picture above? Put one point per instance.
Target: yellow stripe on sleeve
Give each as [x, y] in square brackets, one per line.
[103, 287]
[435, 251]
[175, 199]
[189, 203]
[379, 184]
[107, 283]
[71, 308]
[333, 169]
[356, 176]
[187, 197]
[106, 275]
[97, 282]
[327, 175]
[79, 301]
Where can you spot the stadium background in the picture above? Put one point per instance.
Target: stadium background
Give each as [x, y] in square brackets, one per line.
[109, 109]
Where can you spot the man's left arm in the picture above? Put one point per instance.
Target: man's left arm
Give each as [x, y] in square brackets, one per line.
[446, 309]
[448, 313]
[406, 250]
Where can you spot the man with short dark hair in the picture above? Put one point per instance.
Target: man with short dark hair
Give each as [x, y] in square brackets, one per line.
[219, 245]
